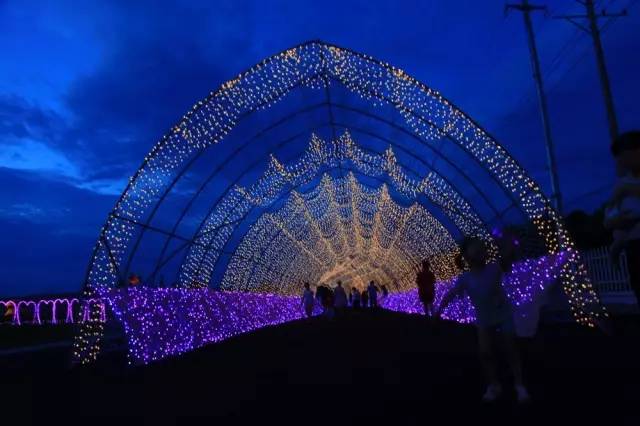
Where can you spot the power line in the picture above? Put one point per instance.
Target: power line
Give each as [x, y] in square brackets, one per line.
[526, 8]
[590, 193]
[528, 97]
[594, 31]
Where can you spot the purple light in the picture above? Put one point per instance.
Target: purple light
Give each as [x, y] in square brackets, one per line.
[35, 309]
[167, 321]
[170, 321]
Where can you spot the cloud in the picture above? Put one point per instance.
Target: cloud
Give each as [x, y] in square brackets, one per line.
[104, 186]
[31, 155]
[32, 213]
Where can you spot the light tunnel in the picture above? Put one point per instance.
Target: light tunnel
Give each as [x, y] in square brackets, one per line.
[317, 164]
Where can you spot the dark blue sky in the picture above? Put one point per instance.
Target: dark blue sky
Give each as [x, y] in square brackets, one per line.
[86, 88]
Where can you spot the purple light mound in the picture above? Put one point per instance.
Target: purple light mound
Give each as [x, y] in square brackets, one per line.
[165, 322]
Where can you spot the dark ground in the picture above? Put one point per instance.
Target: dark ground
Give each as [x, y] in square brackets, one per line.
[364, 367]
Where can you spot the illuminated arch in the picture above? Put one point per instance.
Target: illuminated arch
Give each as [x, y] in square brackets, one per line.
[433, 158]
[312, 227]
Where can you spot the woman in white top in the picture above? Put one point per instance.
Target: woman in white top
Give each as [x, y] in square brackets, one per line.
[494, 315]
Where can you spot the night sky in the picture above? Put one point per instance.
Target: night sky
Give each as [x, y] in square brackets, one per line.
[86, 88]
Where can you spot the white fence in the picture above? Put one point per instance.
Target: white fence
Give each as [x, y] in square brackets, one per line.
[611, 280]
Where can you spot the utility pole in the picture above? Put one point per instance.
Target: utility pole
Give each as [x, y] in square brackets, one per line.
[594, 31]
[526, 10]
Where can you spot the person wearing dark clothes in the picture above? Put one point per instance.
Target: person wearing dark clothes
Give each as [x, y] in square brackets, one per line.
[426, 282]
[307, 300]
[364, 298]
[320, 295]
[340, 296]
[354, 298]
[373, 295]
[385, 290]
[328, 303]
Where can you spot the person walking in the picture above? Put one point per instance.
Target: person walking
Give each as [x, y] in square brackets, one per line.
[385, 290]
[364, 298]
[373, 295]
[426, 283]
[340, 297]
[307, 300]
[320, 290]
[354, 298]
[494, 316]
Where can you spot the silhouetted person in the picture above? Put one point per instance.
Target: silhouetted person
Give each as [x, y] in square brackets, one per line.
[328, 303]
[307, 300]
[494, 316]
[364, 298]
[373, 295]
[354, 298]
[385, 290]
[623, 212]
[340, 297]
[320, 289]
[426, 282]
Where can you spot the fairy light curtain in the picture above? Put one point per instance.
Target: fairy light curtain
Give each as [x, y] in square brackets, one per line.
[202, 258]
[341, 230]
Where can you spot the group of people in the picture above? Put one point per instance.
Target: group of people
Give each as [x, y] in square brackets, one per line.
[331, 299]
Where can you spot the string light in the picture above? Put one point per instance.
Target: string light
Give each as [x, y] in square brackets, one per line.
[340, 230]
[170, 321]
[314, 65]
[36, 310]
[199, 264]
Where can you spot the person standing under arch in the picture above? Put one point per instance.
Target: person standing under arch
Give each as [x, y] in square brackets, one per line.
[426, 282]
[364, 298]
[307, 300]
[384, 290]
[339, 297]
[494, 316]
[354, 298]
[373, 295]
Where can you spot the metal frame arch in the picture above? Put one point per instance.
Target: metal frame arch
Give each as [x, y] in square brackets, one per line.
[212, 119]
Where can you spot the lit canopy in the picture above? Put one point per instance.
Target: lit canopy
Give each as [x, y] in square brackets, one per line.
[318, 164]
